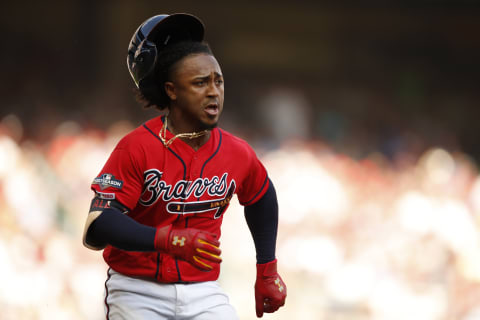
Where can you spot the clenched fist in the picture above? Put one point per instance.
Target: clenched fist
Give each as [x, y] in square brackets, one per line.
[270, 290]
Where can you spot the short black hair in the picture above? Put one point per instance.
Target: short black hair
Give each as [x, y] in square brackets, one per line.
[154, 95]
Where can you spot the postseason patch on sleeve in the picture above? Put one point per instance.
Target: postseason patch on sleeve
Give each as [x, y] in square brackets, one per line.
[107, 180]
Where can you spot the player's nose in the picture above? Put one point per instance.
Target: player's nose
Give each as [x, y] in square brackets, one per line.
[213, 89]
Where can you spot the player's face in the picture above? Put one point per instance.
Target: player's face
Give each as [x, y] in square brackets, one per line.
[196, 92]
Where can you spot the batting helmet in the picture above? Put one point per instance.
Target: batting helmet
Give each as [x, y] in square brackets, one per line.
[154, 34]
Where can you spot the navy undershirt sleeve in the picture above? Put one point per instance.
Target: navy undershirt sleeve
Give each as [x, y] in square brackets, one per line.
[262, 220]
[119, 230]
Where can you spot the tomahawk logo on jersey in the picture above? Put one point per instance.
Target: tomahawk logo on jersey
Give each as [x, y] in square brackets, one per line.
[180, 186]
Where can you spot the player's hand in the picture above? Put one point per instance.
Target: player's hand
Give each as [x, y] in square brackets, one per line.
[195, 246]
[270, 290]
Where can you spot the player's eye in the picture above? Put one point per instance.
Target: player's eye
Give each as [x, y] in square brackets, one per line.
[219, 82]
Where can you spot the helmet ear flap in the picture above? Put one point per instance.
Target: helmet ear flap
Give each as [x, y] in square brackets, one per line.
[143, 61]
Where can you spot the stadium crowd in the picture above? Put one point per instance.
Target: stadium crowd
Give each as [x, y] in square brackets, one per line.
[373, 238]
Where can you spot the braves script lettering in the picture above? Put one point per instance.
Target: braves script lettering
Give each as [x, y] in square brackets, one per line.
[154, 188]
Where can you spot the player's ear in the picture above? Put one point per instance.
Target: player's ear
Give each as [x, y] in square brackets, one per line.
[170, 90]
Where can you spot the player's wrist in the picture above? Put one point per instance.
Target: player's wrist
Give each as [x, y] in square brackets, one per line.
[162, 237]
[267, 269]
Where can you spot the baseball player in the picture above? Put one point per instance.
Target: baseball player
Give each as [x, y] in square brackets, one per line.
[161, 196]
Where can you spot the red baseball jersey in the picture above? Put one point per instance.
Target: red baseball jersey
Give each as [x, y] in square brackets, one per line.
[179, 186]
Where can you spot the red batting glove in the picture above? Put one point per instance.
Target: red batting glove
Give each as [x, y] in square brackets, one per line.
[270, 290]
[199, 248]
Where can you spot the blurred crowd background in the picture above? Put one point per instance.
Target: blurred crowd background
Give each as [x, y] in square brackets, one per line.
[366, 117]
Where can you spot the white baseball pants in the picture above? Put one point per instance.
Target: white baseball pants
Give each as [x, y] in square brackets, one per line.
[128, 298]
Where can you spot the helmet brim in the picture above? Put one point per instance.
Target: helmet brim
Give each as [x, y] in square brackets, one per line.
[175, 28]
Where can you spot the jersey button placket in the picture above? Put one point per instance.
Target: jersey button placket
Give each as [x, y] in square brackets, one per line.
[194, 171]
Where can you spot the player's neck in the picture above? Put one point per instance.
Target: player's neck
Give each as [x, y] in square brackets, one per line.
[177, 127]
[197, 142]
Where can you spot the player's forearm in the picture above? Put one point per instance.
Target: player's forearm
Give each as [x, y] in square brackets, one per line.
[119, 230]
[262, 220]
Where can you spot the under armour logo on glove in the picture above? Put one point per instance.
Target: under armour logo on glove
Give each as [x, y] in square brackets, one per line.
[280, 287]
[200, 248]
[175, 241]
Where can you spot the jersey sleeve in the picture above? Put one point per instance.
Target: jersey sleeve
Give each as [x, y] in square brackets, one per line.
[255, 183]
[121, 177]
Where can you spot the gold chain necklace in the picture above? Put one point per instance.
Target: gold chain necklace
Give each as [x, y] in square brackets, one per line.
[167, 143]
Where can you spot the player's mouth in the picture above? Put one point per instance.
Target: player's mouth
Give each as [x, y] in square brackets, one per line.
[212, 109]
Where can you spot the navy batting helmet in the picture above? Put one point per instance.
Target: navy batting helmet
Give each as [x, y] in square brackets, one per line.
[154, 34]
